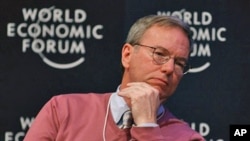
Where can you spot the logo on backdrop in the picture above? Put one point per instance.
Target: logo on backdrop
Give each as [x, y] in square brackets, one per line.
[51, 32]
[203, 34]
[25, 123]
[204, 129]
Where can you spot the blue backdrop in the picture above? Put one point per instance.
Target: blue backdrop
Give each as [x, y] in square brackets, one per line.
[56, 47]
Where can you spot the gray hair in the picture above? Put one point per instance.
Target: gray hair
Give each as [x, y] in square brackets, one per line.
[138, 29]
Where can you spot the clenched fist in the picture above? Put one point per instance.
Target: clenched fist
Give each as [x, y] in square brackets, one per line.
[143, 100]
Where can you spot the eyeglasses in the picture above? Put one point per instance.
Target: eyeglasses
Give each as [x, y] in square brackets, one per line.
[161, 56]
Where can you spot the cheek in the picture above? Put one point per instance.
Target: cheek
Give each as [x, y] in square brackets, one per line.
[141, 62]
[175, 81]
[142, 68]
[176, 78]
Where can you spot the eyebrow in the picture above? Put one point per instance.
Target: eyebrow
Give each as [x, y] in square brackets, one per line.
[176, 57]
[181, 59]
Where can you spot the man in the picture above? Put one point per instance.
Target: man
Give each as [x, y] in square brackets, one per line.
[154, 58]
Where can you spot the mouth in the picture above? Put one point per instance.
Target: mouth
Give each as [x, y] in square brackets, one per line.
[159, 81]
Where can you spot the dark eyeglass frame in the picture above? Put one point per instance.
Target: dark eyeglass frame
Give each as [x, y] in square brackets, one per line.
[160, 60]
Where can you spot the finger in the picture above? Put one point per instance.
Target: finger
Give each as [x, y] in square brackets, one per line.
[143, 86]
[132, 88]
[137, 88]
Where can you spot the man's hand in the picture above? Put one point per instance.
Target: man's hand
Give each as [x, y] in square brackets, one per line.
[143, 100]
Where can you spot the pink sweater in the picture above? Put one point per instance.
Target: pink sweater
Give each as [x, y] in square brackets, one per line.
[81, 117]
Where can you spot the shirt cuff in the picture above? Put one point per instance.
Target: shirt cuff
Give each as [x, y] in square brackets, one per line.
[147, 125]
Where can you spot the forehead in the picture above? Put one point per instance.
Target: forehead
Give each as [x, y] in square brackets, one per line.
[164, 31]
[173, 39]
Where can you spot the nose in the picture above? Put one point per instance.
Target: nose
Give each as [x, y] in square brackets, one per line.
[168, 67]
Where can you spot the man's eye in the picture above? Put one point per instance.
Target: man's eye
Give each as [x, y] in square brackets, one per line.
[158, 53]
[180, 64]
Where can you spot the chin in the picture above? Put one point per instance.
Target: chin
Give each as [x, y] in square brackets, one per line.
[165, 94]
[162, 89]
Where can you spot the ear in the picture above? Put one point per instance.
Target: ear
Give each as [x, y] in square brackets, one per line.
[127, 50]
